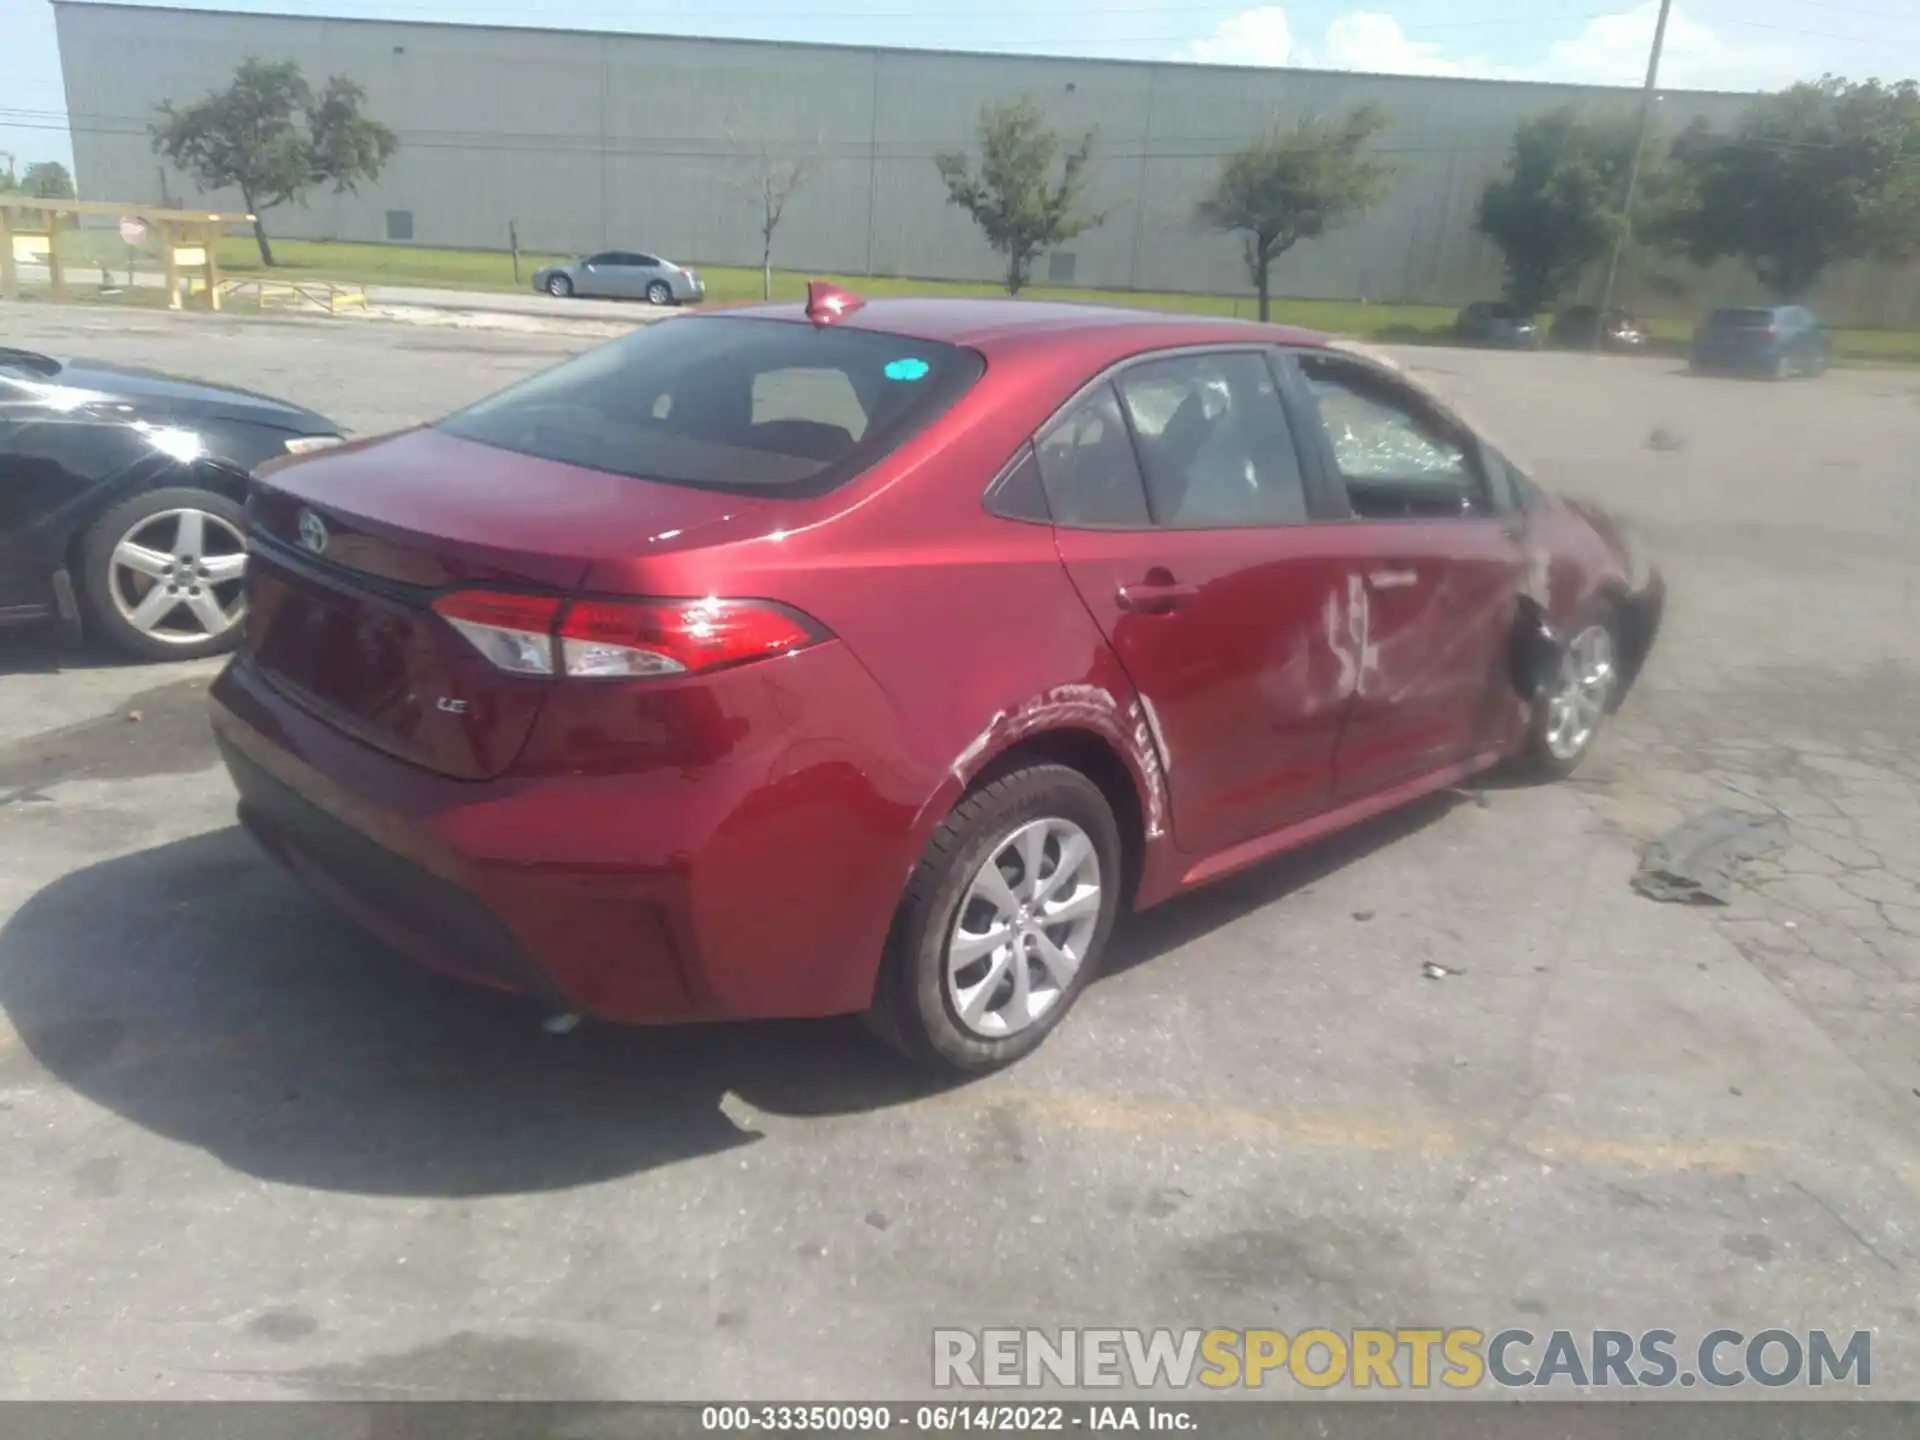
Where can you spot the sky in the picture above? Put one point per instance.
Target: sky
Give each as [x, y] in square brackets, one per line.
[1711, 44]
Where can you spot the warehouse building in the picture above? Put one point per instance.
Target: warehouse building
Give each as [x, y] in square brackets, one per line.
[581, 141]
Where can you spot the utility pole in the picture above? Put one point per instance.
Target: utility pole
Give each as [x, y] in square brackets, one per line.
[1633, 172]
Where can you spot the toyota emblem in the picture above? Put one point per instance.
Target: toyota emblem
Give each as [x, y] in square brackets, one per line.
[313, 532]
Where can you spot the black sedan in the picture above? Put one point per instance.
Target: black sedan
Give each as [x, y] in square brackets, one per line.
[120, 500]
[1500, 326]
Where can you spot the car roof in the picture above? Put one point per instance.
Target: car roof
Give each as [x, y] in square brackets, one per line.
[989, 324]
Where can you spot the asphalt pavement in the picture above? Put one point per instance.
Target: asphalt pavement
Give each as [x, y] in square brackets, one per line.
[251, 1154]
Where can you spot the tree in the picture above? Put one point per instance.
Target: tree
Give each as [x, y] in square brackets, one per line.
[269, 136]
[1014, 199]
[772, 179]
[47, 180]
[1295, 182]
[1558, 209]
[1820, 173]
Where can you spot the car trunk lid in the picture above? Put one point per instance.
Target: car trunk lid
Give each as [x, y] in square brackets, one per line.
[352, 547]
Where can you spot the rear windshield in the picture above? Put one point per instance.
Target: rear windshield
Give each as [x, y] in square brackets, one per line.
[729, 403]
[1737, 319]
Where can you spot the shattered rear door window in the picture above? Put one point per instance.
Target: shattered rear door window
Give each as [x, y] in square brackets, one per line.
[1396, 459]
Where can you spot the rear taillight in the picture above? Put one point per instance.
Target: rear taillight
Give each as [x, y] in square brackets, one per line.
[515, 632]
[622, 639]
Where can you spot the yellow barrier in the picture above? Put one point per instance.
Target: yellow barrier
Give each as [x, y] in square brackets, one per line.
[321, 295]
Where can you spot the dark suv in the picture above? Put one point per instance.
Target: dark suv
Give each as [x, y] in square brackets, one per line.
[1778, 341]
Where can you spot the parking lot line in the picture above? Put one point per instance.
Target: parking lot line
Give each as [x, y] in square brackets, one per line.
[1294, 1130]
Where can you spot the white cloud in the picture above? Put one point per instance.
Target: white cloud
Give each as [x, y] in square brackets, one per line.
[1612, 50]
[1253, 37]
[1607, 50]
[1368, 41]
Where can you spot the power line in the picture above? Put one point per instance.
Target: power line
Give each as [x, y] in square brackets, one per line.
[1864, 10]
[440, 15]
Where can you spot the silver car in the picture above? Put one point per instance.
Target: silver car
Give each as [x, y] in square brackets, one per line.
[623, 275]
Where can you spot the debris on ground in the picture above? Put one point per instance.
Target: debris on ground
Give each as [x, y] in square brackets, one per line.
[561, 1024]
[1695, 862]
[1363, 914]
[1663, 437]
[1434, 970]
[877, 1220]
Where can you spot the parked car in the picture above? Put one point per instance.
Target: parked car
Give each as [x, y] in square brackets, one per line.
[1777, 341]
[849, 657]
[1488, 322]
[120, 500]
[1577, 327]
[623, 275]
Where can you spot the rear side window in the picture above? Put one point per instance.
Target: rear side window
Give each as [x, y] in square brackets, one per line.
[1396, 459]
[729, 403]
[1088, 468]
[1214, 442]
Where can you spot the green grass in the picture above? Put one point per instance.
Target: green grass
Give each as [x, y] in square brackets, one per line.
[365, 264]
[488, 270]
[381, 264]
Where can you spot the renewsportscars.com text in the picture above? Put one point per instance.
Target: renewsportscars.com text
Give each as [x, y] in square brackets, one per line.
[1460, 1358]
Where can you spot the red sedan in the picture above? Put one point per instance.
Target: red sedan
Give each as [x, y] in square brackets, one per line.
[874, 657]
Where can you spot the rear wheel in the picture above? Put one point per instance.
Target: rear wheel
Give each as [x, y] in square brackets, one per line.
[1003, 922]
[163, 574]
[658, 293]
[1567, 718]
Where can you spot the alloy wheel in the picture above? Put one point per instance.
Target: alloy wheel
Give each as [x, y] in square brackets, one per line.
[179, 576]
[1580, 700]
[1023, 928]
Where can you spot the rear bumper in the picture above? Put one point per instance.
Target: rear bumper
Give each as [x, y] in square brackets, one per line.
[1735, 362]
[760, 885]
[418, 913]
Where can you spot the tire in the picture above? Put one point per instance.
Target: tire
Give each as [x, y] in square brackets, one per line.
[559, 286]
[918, 1004]
[659, 293]
[1551, 752]
[158, 527]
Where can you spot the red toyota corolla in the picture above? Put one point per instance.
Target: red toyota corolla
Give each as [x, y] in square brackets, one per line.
[797, 661]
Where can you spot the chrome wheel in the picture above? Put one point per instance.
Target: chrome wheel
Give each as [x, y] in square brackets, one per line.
[179, 577]
[559, 287]
[1023, 928]
[1585, 685]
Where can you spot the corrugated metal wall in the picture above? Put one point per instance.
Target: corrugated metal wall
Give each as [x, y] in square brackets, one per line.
[590, 140]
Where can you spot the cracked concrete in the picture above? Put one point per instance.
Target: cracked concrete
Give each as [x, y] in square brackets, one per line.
[249, 1154]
